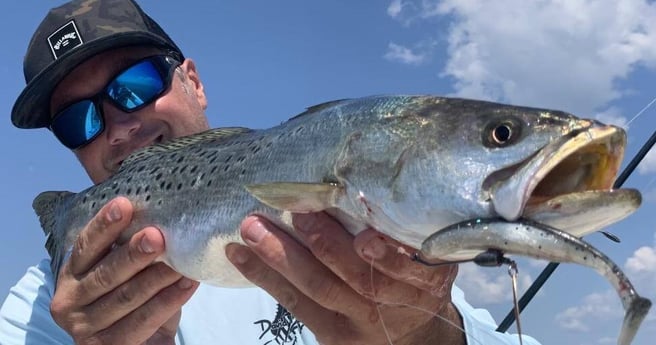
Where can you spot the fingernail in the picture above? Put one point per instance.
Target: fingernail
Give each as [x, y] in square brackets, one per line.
[146, 246]
[236, 254]
[254, 231]
[375, 249]
[184, 283]
[114, 214]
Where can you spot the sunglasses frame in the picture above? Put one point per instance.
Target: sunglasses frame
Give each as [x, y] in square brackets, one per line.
[165, 64]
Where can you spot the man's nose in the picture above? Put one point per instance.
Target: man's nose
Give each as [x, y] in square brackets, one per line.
[120, 126]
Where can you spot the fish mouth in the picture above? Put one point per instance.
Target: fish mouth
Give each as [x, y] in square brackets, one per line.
[569, 182]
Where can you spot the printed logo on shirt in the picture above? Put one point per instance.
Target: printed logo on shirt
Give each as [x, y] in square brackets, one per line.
[283, 329]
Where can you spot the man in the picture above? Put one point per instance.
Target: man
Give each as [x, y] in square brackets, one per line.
[107, 80]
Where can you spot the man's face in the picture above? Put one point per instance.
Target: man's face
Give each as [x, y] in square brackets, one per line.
[178, 112]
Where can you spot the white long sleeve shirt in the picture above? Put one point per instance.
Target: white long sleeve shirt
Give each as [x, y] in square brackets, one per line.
[247, 316]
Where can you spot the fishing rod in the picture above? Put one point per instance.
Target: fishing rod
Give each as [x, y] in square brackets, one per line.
[551, 267]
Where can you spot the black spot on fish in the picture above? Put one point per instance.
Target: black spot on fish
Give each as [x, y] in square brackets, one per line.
[193, 169]
[159, 176]
[168, 186]
[179, 186]
[181, 159]
[148, 197]
[209, 182]
[183, 169]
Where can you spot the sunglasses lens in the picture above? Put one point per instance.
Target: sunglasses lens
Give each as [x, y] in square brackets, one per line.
[136, 86]
[77, 124]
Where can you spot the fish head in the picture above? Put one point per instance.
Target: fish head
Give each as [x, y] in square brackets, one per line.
[448, 160]
[546, 165]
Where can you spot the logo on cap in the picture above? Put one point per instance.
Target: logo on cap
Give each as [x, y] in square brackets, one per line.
[64, 39]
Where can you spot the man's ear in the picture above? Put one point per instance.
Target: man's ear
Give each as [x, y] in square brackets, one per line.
[189, 71]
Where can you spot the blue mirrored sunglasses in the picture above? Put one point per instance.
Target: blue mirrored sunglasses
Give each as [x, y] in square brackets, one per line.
[132, 89]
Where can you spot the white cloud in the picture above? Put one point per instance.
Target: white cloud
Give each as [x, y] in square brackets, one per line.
[558, 54]
[595, 307]
[496, 283]
[641, 267]
[395, 8]
[399, 53]
[648, 165]
[612, 116]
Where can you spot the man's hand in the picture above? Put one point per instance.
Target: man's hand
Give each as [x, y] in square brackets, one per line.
[329, 283]
[115, 294]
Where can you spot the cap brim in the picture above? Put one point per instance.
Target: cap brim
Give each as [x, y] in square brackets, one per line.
[32, 107]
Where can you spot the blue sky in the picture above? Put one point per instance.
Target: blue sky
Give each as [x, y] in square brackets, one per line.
[263, 62]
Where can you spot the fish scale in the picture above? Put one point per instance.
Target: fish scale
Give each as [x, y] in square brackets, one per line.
[408, 166]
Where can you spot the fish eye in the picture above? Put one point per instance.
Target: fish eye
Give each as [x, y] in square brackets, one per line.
[501, 133]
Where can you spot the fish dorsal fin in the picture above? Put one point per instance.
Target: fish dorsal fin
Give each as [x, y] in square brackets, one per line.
[216, 134]
[319, 107]
[45, 205]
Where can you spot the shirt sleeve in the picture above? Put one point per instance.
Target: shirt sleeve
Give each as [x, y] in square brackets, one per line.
[25, 314]
[480, 327]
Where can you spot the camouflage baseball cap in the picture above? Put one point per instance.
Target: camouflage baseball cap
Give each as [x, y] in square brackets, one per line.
[69, 35]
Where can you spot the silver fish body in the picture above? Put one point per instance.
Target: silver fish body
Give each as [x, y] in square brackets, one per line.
[405, 165]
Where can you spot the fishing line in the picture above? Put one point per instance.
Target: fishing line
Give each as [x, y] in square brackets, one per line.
[402, 251]
[512, 272]
[551, 267]
[373, 293]
[641, 111]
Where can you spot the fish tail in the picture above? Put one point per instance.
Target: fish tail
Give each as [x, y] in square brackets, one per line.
[46, 206]
[636, 309]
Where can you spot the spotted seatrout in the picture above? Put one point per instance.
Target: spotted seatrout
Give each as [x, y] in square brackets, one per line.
[405, 165]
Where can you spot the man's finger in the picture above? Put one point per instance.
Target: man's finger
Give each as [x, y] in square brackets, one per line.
[120, 265]
[313, 315]
[95, 240]
[300, 267]
[393, 259]
[142, 323]
[129, 296]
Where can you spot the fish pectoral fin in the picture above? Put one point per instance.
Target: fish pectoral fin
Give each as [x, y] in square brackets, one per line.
[297, 197]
